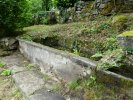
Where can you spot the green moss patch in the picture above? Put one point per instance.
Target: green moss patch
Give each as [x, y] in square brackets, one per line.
[120, 18]
[127, 33]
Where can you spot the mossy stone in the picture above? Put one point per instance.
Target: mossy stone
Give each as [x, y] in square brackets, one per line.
[127, 33]
[120, 18]
[107, 9]
[119, 22]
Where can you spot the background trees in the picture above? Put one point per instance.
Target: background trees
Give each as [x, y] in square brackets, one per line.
[66, 3]
[13, 15]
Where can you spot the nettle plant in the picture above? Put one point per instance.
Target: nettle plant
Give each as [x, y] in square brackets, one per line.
[112, 59]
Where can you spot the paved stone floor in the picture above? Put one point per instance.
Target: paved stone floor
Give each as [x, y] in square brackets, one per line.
[37, 86]
[28, 78]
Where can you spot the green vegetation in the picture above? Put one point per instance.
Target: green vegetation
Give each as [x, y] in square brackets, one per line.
[84, 83]
[97, 56]
[111, 44]
[120, 22]
[84, 33]
[93, 90]
[73, 84]
[8, 89]
[127, 33]
[6, 72]
[17, 94]
[56, 87]
[3, 71]
[46, 77]
[13, 16]
[120, 18]
[66, 3]
[30, 66]
[76, 37]
[2, 64]
[112, 59]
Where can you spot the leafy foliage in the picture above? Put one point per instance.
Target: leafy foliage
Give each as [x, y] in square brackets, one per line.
[35, 6]
[82, 83]
[112, 59]
[2, 64]
[73, 84]
[47, 5]
[97, 56]
[6, 72]
[110, 44]
[13, 15]
[89, 82]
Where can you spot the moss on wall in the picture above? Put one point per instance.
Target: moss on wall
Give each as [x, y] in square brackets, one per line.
[127, 33]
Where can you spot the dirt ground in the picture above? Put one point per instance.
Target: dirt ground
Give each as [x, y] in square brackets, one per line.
[8, 91]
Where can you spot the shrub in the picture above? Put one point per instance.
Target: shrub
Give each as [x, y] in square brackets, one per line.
[38, 17]
[44, 17]
[13, 15]
[110, 44]
[47, 5]
[97, 56]
[112, 59]
[119, 22]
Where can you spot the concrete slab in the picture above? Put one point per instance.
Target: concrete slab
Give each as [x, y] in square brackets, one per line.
[28, 82]
[17, 69]
[44, 95]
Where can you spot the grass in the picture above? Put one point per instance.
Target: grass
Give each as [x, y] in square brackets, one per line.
[6, 72]
[88, 35]
[8, 90]
[73, 84]
[30, 66]
[2, 64]
[46, 77]
[93, 90]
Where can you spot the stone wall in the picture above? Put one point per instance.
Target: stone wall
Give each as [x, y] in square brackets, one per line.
[107, 7]
[67, 66]
[84, 9]
[126, 42]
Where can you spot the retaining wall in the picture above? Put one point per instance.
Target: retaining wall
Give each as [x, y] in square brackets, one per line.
[69, 67]
[66, 65]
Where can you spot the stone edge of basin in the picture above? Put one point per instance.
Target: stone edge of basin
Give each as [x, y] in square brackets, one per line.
[77, 59]
[111, 78]
[102, 75]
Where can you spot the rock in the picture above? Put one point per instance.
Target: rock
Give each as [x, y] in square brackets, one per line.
[125, 40]
[119, 22]
[78, 9]
[52, 17]
[28, 82]
[105, 7]
[43, 95]
[4, 53]
[9, 43]
[79, 5]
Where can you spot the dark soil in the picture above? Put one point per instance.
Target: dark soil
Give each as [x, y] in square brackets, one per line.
[126, 71]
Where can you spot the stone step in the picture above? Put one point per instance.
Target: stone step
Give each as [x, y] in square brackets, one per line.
[30, 81]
